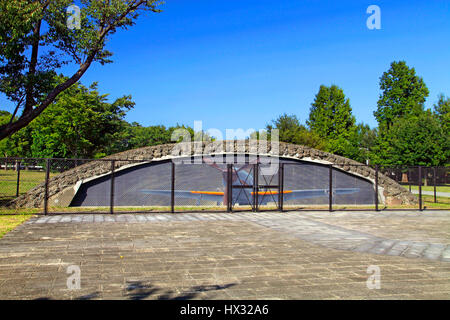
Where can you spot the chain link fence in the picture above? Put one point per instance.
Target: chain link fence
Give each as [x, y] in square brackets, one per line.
[431, 185]
[51, 186]
[17, 177]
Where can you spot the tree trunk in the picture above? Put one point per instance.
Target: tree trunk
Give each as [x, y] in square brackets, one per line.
[404, 177]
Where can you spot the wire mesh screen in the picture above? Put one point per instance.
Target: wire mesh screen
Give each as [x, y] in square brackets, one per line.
[142, 186]
[435, 188]
[351, 190]
[268, 185]
[305, 185]
[17, 177]
[9, 174]
[77, 185]
[443, 176]
[244, 192]
[108, 186]
[200, 183]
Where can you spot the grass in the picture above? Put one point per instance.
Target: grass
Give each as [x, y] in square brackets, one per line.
[8, 183]
[9, 222]
[430, 188]
[442, 202]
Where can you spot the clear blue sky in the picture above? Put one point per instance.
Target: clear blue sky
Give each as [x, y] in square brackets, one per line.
[241, 63]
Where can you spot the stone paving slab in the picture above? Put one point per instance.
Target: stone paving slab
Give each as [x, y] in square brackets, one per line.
[321, 228]
[218, 256]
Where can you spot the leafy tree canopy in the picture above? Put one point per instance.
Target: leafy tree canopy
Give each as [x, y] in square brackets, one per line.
[403, 93]
[291, 131]
[331, 119]
[416, 140]
[442, 110]
[80, 123]
[35, 41]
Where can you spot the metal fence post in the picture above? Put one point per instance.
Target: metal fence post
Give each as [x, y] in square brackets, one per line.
[47, 178]
[111, 199]
[420, 188]
[280, 187]
[172, 189]
[330, 184]
[376, 187]
[18, 178]
[409, 178]
[434, 184]
[229, 188]
[255, 187]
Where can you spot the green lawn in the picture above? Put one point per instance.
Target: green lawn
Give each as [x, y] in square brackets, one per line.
[8, 183]
[442, 202]
[9, 219]
[9, 222]
[430, 188]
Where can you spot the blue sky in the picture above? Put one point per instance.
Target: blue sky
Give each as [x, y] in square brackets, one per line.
[240, 64]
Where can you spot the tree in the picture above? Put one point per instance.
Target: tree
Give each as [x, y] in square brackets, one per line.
[18, 144]
[135, 136]
[80, 124]
[442, 110]
[366, 136]
[403, 94]
[140, 136]
[35, 41]
[416, 140]
[331, 119]
[291, 131]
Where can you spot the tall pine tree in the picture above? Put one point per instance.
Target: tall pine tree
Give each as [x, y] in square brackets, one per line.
[403, 94]
[331, 118]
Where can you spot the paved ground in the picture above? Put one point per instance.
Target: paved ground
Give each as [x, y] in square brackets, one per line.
[296, 255]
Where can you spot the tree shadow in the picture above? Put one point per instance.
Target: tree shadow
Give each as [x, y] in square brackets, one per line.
[139, 290]
[89, 296]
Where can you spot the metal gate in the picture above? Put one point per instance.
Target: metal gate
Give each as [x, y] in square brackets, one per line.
[247, 187]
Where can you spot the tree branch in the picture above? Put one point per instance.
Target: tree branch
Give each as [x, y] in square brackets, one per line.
[26, 118]
[29, 102]
[16, 109]
[29, 114]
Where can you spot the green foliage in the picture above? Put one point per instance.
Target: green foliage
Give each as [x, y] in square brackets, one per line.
[442, 110]
[291, 131]
[79, 124]
[414, 140]
[35, 42]
[17, 145]
[135, 135]
[403, 94]
[408, 134]
[331, 119]
[366, 140]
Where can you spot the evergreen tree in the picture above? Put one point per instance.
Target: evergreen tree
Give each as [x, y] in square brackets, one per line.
[291, 131]
[331, 119]
[403, 93]
[416, 140]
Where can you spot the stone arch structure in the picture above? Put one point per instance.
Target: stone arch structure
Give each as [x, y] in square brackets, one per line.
[63, 187]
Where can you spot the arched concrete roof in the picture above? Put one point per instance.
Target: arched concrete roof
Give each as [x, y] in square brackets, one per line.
[66, 183]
